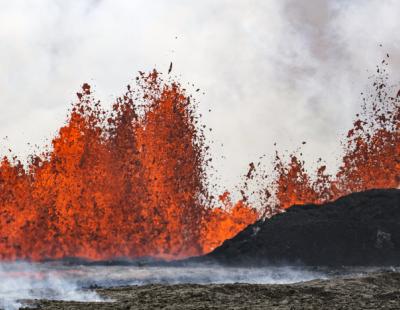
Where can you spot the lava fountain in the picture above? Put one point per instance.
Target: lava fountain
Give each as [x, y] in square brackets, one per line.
[371, 154]
[131, 182]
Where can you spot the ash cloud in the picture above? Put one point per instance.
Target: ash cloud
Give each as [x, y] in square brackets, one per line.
[284, 71]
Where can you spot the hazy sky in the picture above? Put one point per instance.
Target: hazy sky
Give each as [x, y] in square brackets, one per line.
[272, 71]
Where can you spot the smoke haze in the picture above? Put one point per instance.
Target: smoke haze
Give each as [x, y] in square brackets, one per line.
[271, 71]
[21, 282]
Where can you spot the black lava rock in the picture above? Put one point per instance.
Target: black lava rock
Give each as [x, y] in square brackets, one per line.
[359, 229]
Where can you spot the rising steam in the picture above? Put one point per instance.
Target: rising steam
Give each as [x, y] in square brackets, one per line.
[23, 281]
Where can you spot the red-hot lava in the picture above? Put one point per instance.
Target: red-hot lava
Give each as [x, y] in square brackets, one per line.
[371, 154]
[125, 183]
[131, 182]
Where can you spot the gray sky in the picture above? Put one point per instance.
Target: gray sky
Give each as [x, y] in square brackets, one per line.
[272, 71]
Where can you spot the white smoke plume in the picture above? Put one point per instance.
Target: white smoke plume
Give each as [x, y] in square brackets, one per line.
[22, 281]
[272, 71]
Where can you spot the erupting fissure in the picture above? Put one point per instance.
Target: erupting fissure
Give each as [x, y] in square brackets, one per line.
[125, 183]
[371, 153]
[131, 182]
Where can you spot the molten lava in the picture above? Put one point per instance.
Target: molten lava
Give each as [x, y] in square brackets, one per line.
[371, 154]
[131, 182]
[125, 183]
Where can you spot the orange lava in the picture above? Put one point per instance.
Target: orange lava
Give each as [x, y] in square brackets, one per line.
[131, 182]
[125, 183]
[371, 154]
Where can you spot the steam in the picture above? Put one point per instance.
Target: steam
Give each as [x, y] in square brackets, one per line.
[272, 71]
[23, 281]
[131, 275]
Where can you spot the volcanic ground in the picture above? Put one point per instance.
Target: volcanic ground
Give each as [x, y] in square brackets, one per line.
[375, 291]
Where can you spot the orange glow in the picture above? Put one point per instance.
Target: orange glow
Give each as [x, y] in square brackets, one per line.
[224, 222]
[371, 155]
[131, 182]
[124, 183]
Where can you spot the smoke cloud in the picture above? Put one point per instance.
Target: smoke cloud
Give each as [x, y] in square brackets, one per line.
[23, 281]
[272, 71]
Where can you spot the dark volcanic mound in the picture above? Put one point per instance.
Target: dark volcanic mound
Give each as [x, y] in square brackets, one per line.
[359, 229]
